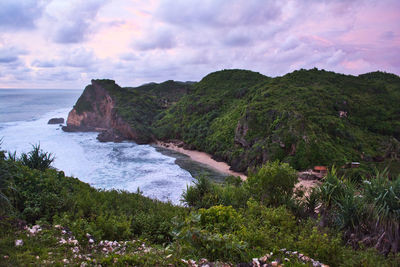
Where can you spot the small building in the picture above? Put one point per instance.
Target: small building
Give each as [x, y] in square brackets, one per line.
[321, 170]
[355, 164]
[351, 165]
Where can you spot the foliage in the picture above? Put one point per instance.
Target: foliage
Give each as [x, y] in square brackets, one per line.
[384, 197]
[50, 196]
[273, 183]
[305, 118]
[370, 209]
[212, 229]
[210, 233]
[361, 211]
[221, 232]
[201, 187]
[205, 194]
[246, 119]
[5, 185]
[37, 158]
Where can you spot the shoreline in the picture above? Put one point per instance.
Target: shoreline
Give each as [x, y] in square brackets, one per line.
[201, 157]
[223, 167]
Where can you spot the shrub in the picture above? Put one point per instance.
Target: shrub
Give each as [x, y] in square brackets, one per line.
[233, 195]
[325, 247]
[37, 159]
[6, 187]
[370, 211]
[210, 233]
[384, 197]
[203, 194]
[273, 183]
[332, 189]
[312, 200]
[350, 211]
[221, 218]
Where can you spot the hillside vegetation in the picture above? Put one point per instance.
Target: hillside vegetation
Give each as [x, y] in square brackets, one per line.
[305, 118]
[49, 219]
[272, 125]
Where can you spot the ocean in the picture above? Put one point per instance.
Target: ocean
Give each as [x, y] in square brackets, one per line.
[158, 173]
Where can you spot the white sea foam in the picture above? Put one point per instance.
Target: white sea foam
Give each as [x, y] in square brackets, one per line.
[125, 166]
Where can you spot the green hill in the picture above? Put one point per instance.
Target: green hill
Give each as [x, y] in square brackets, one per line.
[140, 105]
[307, 118]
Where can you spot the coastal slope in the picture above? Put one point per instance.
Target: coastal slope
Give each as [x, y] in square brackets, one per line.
[306, 118]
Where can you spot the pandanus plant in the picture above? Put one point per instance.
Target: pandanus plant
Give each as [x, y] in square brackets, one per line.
[384, 198]
[37, 159]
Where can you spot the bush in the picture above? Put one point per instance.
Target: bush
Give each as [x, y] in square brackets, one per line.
[37, 159]
[6, 187]
[273, 183]
[221, 218]
[332, 189]
[384, 198]
[369, 212]
[198, 194]
[210, 233]
[205, 194]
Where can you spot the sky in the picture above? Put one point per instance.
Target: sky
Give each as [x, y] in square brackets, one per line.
[66, 43]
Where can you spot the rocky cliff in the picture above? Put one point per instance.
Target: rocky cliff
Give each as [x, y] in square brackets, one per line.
[95, 110]
[123, 113]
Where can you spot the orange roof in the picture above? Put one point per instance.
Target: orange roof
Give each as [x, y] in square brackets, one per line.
[320, 168]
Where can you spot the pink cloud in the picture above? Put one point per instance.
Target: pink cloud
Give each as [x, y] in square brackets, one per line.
[143, 41]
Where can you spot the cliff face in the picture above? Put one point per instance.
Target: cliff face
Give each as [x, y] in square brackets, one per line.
[95, 111]
[123, 113]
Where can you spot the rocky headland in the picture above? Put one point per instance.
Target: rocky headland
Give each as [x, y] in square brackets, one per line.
[95, 112]
[122, 113]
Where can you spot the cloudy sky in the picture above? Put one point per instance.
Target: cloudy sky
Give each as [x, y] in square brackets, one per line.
[66, 43]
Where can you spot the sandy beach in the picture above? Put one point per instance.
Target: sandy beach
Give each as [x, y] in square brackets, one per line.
[203, 158]
[223, 167]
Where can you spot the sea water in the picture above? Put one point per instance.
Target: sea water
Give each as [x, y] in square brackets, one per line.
[126, 166]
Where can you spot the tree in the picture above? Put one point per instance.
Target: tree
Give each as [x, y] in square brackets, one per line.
[273, 183]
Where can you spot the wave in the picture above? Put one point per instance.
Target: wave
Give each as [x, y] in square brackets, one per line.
[124, 166]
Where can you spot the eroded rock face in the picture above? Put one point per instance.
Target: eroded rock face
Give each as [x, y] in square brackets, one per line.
[56, 121]
[240, 132]
[95, 111]
[110, 135]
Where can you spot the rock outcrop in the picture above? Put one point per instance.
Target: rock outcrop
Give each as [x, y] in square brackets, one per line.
[110, 135]
[95, 111]
[56, 121]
